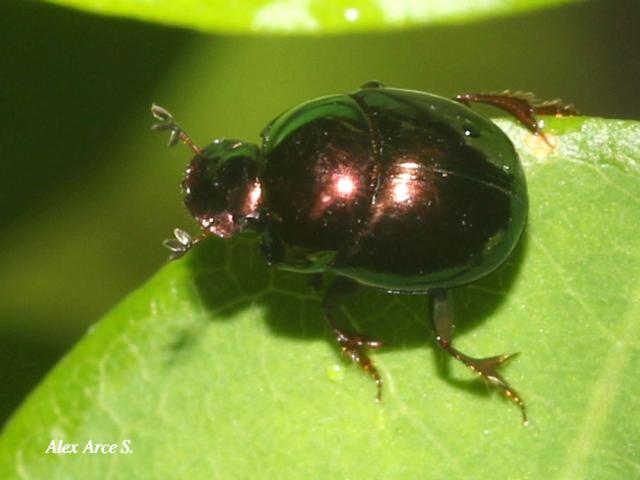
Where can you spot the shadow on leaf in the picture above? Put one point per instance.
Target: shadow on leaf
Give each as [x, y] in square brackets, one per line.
[231, 275]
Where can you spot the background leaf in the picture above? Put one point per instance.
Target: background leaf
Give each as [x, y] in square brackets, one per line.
[219, 367]
[306, 16]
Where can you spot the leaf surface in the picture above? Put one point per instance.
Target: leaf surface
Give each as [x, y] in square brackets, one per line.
[219, 367]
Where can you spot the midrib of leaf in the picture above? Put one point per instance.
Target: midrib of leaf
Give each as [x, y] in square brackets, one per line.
[607, 386]
[433, 441]
[587, 147]
[595, 142]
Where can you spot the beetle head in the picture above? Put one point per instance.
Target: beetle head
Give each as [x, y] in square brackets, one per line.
[221, 186]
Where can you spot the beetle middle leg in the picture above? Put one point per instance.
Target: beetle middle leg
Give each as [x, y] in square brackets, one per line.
[487, 368]
[352, 344]
[522, 106]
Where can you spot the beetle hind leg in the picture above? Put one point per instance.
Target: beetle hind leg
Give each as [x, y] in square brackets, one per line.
[523, 106]
[352, 345]
[487, 367]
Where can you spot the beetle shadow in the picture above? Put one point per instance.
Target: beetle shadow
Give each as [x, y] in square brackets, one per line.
[231, 275]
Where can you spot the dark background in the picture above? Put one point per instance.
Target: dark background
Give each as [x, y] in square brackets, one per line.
[88, 193]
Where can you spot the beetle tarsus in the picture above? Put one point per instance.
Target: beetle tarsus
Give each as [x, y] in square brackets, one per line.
[487, 367]
[523, 106]
[352, 345]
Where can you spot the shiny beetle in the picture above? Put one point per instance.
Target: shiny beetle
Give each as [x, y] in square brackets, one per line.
[400, 190]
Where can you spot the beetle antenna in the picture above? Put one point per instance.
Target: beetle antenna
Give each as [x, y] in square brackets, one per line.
[168, 123]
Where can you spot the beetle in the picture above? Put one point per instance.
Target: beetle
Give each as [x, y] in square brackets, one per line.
[400, 190]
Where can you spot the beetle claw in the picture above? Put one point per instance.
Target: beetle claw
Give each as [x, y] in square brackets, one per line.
[352, 346]
[487, 368]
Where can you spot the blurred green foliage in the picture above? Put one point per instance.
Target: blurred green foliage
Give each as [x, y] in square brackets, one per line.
[308, 16]
[88, 193]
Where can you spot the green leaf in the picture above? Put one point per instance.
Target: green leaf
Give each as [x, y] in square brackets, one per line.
[306, 16]
[219, 367]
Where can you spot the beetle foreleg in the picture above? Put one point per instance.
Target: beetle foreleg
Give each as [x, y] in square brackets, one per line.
[487, 368]
[352, 345]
